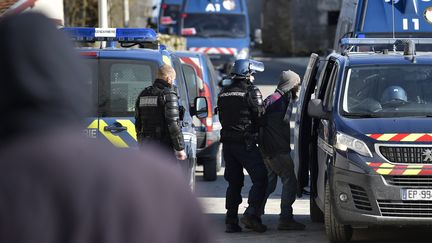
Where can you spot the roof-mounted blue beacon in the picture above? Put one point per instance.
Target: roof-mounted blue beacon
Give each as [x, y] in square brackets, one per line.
[125, 36]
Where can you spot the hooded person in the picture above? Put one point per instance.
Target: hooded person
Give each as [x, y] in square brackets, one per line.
[55, 184]
[275, 147]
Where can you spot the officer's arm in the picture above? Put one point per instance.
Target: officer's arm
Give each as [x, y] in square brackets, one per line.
[172, 116]
[256, 104]
[137, 117]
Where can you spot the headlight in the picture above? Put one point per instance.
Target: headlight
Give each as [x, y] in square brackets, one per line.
[345, 142]
[243, 54]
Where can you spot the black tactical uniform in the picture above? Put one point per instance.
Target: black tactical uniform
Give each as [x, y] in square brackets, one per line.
[241, 109]
[157, 116]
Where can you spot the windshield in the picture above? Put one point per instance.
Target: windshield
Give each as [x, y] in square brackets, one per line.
[388, 91]
[214, 25]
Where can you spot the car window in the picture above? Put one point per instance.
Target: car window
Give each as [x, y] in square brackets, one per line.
[91, 73]
[324, 78]
[191, 82]
[123, 80]
[330, 89]
[180, 83]
[213, 81]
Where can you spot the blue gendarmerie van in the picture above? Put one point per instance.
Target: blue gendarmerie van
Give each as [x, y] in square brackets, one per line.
[219, 28]
[119, 74]
[384, 19]
[364, 136]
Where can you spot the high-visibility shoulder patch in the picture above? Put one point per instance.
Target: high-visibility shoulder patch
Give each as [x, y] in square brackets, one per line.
[147, 101]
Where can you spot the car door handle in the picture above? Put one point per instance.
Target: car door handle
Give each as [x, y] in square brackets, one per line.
[115, 127]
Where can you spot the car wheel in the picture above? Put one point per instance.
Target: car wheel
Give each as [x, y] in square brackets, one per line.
[336, 232]
[316, 215]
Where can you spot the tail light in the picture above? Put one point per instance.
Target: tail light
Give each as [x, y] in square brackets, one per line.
[208, 122]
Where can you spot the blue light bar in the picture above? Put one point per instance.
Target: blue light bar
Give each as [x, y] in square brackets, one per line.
[123, 35]
[382, 41]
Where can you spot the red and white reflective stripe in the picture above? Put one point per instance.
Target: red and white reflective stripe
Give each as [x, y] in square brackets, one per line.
[215, 50]
[195, 63]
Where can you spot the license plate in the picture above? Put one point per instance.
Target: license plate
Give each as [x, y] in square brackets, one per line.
[417, 194]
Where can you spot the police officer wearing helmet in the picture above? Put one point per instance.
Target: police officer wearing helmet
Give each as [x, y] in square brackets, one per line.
[240, 107]
[157, 113]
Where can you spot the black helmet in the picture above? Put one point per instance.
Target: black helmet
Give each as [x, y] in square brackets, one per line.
[394, 93]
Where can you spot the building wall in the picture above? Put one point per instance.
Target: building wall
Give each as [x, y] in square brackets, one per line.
[299, 27]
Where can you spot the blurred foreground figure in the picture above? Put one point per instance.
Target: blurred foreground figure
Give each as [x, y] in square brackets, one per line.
[57, 186]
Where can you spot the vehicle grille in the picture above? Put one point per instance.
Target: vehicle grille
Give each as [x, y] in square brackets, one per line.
[360, 198]
[405, 155]
[410, 181]
[412, 209]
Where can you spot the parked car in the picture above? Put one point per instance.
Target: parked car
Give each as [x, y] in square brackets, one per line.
[209, 151]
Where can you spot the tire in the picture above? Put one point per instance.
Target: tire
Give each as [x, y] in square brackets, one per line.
[316, 215]
[210, 169]
[336, 232]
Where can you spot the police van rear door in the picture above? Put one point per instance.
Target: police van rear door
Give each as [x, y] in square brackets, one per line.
[121, 82]
[91, 72]
[303, 122]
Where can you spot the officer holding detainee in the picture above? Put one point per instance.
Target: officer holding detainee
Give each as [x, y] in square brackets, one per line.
[240, 107]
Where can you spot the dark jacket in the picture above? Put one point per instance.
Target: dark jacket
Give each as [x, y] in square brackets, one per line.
[56, 185]
[275, 135]
[158, 118]
[240, 108]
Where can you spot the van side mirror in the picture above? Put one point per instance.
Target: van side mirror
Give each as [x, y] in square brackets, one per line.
[316, 110]
[201, 107]
[258, 36]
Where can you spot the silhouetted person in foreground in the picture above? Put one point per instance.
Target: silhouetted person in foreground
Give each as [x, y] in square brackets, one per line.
[55, 184]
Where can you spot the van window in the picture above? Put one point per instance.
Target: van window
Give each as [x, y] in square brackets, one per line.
[122, 81]
[330, 90]
[388, 91]
[180, 83]
[191, 82]
[213, 81]
[216, 25]
[324, 78]
[91, 73]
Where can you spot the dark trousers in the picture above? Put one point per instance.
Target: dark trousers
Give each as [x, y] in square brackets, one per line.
[236, 158]
[281, 165]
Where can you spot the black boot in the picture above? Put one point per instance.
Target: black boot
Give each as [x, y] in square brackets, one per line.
[290, 224]
[232, 225]
[254, 223]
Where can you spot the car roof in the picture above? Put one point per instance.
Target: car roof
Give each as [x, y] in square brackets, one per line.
[371, 58]
[190, 54]
[130, 53]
